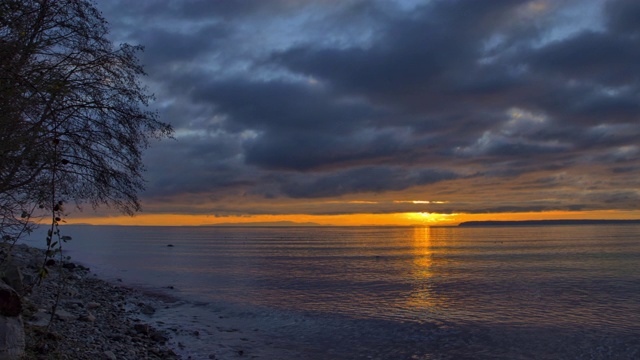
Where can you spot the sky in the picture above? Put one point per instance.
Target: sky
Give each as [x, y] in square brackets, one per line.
[365, 112]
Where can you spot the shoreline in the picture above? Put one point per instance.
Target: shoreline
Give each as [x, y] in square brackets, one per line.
[108, 319]
[94, 319]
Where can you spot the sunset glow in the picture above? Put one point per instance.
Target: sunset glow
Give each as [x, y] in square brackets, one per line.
[398, 219]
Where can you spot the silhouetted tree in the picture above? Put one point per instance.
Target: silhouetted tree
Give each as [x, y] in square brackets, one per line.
[73, 118]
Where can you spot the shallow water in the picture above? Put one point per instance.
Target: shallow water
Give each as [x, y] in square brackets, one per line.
[424, 293]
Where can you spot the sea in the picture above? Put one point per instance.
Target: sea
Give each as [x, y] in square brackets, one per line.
[505, 292]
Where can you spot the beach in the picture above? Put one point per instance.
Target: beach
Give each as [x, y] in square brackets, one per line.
[99, 319]
[94, 319]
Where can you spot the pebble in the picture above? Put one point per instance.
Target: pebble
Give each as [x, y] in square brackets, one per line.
[88, 323]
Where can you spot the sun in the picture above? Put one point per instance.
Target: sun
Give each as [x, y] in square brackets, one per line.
[428, 218]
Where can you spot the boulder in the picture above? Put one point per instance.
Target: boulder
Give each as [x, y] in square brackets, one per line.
[12, 340]
[12, 276]
[10, 304]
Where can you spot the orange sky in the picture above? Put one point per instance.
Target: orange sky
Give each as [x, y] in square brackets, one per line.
[399, 219]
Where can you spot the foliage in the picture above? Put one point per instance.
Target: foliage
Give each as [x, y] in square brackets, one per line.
[73, 118]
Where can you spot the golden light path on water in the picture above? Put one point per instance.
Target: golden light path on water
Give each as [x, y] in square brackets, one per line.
[422, 271]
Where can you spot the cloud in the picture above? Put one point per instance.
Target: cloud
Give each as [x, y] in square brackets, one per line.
[361, 180]
[471, 102]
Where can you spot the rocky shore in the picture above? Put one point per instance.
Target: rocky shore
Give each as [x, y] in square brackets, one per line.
[93, 319]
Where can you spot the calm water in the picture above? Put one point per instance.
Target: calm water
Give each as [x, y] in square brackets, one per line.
[422, 293]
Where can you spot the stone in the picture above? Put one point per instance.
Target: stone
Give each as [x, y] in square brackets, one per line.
[12, 276]
[73, 304]
[158, 337]
[29, 279]
[112, 335]
[82, 267]
[39, 319]
[10, 304]
[141, 328]
[147, 309]
[88, 317]
[93, 305]
[12, 339]
[64, 315]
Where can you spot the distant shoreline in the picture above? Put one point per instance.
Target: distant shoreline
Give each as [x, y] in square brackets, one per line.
[289, 224]
[546, 223]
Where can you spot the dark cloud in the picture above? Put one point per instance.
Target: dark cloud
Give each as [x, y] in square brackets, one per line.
[415, 60]
[471, 100]
[600, 58]
[282, 106]
[622, 17]
[165, 47]
[362, 180]
[305, 151]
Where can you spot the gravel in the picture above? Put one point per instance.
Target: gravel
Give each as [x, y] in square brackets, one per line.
[93, 319]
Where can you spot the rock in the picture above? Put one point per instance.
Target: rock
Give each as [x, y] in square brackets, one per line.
[69, 266]
[170, 245]
[73, 304]
[12, 276]
[65, 315]
[29, 279]
[158, 337]
[12, 339]
[88, 317]
[94, 325]
[39, 319]
[50, 262]
[93, 305]
[10, 304]
[147, 309]
[141, 328]
[83, 268]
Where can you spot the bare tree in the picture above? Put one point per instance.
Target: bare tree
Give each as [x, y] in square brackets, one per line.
[73, 113]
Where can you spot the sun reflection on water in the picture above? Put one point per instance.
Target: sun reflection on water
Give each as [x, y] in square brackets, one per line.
[422, 252]
[422, 298]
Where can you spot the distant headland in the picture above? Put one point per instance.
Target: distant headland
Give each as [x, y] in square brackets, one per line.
[547, 222]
